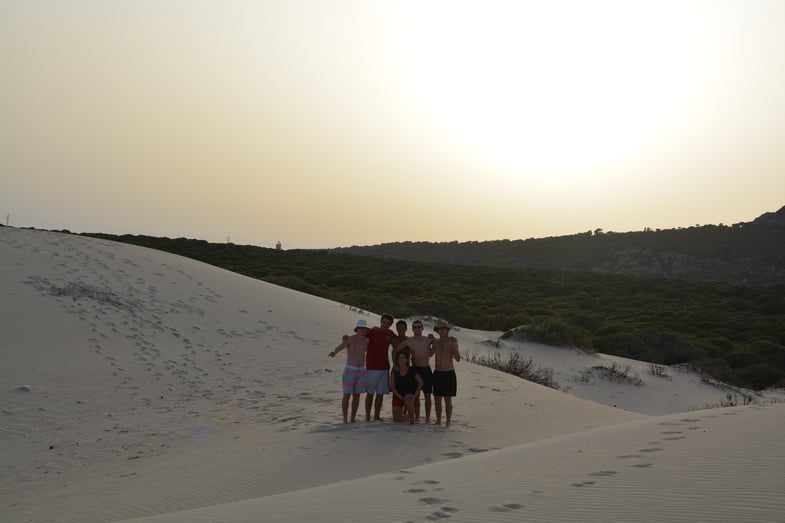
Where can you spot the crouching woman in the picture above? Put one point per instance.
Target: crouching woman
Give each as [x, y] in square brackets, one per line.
[405, 385]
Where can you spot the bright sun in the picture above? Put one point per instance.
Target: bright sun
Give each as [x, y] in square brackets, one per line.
[525, 96]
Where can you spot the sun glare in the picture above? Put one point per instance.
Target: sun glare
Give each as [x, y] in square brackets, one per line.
[525, 97]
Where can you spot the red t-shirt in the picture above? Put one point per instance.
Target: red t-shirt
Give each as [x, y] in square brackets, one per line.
[377, 357]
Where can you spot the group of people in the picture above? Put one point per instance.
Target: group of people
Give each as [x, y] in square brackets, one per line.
[368, 370]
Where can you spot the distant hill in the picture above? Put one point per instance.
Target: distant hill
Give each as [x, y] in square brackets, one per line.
[734, 333]
[750, 253]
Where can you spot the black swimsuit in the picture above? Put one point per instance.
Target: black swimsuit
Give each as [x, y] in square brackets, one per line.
[406, 384]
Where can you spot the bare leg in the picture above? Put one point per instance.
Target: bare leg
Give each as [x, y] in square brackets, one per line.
[438, 410]
[345, 407]
[448, 408]
[355, 406]
[410, 405]
[417, 406]
[397, 413]
[427, 408]
[377, 407]
[368, 404]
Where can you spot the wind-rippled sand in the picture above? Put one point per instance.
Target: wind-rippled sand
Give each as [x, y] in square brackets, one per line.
[139, 384]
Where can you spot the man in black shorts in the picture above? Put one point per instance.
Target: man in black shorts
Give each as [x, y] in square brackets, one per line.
[445, 384]
[421, 349]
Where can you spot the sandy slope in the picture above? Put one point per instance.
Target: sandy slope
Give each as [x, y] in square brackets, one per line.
[135, 382]
[706, 466]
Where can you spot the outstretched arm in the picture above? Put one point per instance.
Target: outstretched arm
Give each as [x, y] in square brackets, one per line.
[339, 348]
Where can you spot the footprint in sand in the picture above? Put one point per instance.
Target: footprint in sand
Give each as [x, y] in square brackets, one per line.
[444, 513]
[433, 501]
[604, 473]
[452, 455]
[418, 490]
[584, 484]
[642, 465]
[398, 478]
[507, 507]
[650, 449]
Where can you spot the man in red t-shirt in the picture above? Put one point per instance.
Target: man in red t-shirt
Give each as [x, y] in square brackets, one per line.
[377, 366]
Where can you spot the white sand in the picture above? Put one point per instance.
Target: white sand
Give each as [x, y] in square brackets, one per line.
[136, 384]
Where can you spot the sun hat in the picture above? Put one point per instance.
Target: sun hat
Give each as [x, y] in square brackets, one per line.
[440, 324]
[361, 324]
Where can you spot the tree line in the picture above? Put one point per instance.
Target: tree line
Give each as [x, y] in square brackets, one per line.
[748, 254]
[734, 333]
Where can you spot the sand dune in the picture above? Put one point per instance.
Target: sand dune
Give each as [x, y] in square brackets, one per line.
[705, 466]
[138, 384]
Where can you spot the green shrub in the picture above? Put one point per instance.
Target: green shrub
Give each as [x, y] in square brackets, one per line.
[759, 376]
[625, 344]
[517, 366]
[742, 358]
[556, 331]
[769, 352]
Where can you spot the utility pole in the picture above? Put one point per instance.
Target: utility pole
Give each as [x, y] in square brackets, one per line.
[7, 219]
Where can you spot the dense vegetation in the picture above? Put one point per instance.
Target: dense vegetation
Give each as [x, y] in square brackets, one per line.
[750, 253]
[734, 333]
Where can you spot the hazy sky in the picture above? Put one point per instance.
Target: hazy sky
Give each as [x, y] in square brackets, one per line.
[335, 123]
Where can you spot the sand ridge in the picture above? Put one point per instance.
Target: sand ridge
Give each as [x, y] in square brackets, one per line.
[136, 382]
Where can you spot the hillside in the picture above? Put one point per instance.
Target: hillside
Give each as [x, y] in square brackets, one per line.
[751, 253]
[145, 387]
[734, 333]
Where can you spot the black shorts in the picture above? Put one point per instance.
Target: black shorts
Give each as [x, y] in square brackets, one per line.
[444, 383]
[427, 378]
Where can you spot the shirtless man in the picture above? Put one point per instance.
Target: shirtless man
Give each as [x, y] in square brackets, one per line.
[421, 349]
[400, 328]
[354, 372]
[444, 382]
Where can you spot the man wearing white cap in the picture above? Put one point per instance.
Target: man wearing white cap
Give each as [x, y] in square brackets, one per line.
[354, 372]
